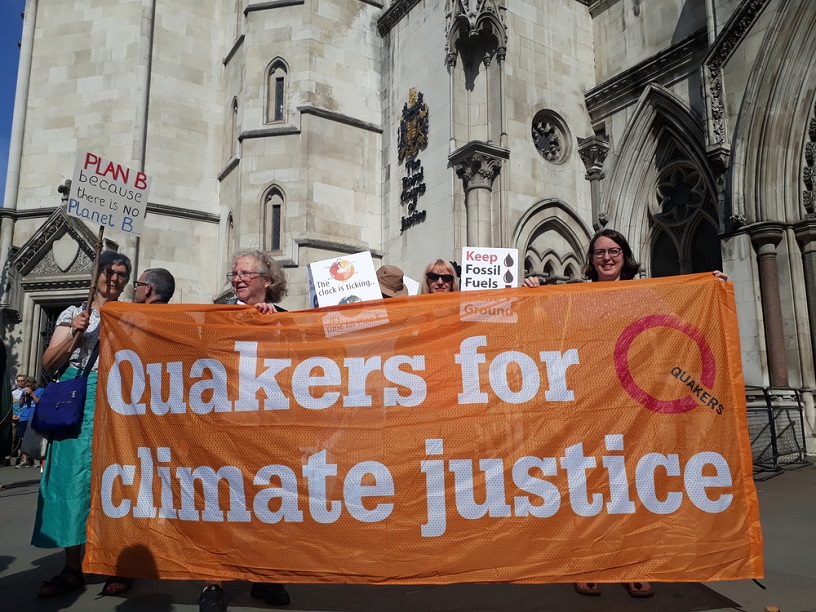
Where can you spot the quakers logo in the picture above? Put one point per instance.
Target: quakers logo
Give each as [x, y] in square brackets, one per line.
[698, 389]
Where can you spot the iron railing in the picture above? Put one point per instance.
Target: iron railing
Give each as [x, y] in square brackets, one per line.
[776, 424]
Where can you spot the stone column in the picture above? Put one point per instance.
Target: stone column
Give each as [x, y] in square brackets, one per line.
[501, 54]
[9, 208]
[478, 164]
[593, 151]
[806, 237]
[765, 237]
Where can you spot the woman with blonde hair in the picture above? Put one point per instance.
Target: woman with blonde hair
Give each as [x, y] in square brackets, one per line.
[439, 277]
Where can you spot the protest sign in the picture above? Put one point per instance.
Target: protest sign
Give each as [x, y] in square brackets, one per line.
[588, 432]
[344, 280]
[108, 194]
[487, 268]
[411, 285]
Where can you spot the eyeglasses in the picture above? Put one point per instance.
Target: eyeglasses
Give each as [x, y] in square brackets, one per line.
[433, 277]
[110, 273]
[613, 252]
[243, 275]
[137, 284]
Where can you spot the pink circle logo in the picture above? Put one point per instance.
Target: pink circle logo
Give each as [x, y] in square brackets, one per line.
[625, 341]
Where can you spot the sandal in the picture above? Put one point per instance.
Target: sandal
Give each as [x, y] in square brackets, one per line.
[116, 585]
[639, 589]
[67, 580]
[593, 589]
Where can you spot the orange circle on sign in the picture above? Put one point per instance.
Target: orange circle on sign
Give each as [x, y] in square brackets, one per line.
[342, 270]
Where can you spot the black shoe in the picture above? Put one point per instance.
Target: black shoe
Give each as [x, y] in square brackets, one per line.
[212, 599]
[270, 592]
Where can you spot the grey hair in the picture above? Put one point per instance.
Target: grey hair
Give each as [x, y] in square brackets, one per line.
[271, 270]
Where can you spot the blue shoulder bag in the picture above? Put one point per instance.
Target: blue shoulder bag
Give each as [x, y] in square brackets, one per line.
[62, 405]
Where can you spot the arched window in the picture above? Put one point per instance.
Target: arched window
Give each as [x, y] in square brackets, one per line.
[549, 272]
[233, 129]
[272, 219]
[529, 266]
[276, 91]
[550, 236]
[665, 259]
[683, 216]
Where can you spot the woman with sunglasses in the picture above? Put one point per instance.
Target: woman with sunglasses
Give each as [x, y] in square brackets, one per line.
[65, 488]
[439, 277]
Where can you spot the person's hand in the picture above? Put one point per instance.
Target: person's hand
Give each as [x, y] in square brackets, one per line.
[532, 281]
[266, 307]
[720, 275]
[80, 323]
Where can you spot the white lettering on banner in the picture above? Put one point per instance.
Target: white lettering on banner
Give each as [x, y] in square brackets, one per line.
[316, 472]
[535, 496]
[555, 366]
[307, 378]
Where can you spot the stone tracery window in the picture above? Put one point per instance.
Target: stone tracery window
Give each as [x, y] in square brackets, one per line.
[550, 257]
[683, 216]
[550, 136]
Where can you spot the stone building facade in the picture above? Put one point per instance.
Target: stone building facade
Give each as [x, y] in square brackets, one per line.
[411, 128]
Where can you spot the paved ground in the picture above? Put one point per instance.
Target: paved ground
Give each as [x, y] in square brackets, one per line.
[788, 511]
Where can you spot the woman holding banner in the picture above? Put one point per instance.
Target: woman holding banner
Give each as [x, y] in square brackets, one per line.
[256, 281]
[439, 277]
[65, 488]
[610, 258]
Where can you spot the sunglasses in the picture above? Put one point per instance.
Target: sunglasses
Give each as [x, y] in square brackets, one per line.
[433, 277]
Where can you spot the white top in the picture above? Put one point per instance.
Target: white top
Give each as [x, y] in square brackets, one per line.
[79, 358]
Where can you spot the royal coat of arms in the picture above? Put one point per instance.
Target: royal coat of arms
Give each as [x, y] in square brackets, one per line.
[413, 130]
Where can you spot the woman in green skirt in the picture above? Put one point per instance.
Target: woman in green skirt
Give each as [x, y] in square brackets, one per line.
[65, 488]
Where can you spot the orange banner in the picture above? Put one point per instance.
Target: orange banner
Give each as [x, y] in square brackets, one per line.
[568, 433]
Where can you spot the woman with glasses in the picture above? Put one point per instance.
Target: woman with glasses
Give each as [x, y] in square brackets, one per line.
[256, 281]
[609, 258]
[65, 488]
[439, 277]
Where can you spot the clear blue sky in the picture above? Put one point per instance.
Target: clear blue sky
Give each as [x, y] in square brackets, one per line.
[11, 31]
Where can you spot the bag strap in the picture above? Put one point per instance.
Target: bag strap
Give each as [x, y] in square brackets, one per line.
[91, 361]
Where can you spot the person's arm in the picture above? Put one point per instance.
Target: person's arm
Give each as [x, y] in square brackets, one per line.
[64, 341]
